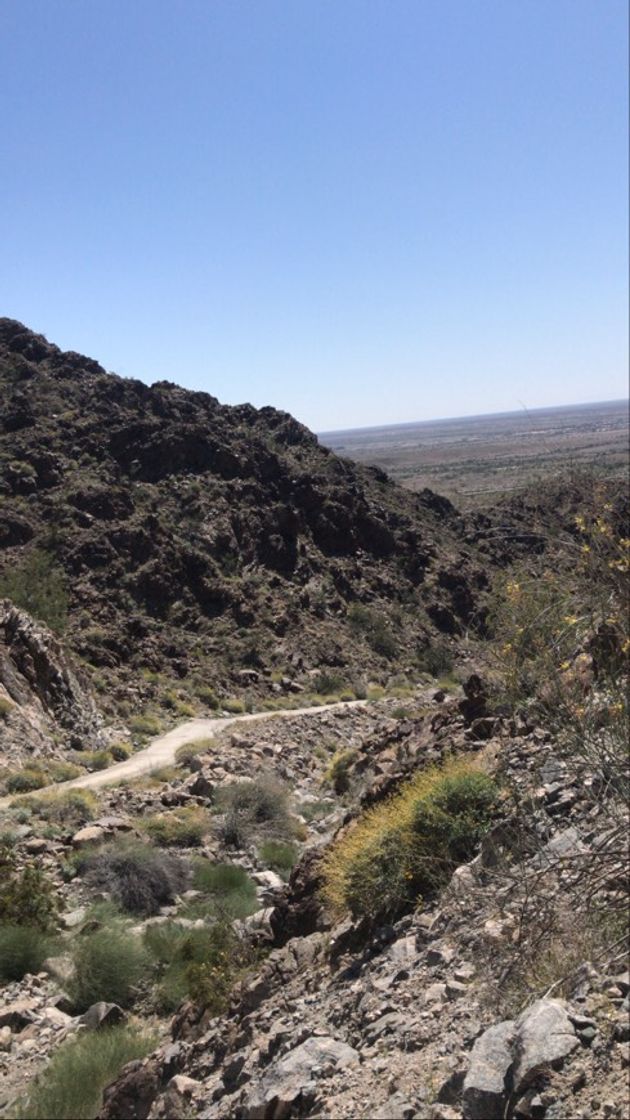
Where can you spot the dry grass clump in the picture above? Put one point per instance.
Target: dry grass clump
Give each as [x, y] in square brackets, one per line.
[137, 877]
[408, 846]
[181, 828]
[71, 1085]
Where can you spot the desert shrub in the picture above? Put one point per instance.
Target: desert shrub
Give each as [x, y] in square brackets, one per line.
[315, 810]
[374, 627]
[121, 751]
[401, 713]
[180, 828]
[207, 696]
[338, 773]
[185, 754]
[408, 846]
[327, 682]
[435, 658]
[22, 949]
[254, 808]
[5, 707]
[70, 807]
[139, 878]
[22, 781]
[95, 760]
[375, 692]
[63, 771]
[145, 725]
[108, 965]
[228, 890]
[210, 981]
[278, 855]
[237, 707]
[71, 1085]
[38, 585]
[27, 896]
[196, 963]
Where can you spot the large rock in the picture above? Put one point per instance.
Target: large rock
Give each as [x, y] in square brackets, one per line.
[289, 1085]
[132, 1093]
[510, 1057]
[87, 836]
[544, 1037]
[485, 1083]
[101, 1015]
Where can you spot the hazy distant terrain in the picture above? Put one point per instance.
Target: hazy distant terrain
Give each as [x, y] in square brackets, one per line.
[475, 456]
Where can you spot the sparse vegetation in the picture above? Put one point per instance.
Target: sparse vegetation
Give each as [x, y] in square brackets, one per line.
[338, 773]
[27, 896]
[199, 964]
[407, 847]
[181, 828]
[22, 949]
[71, 1086]
[278, 855]
[137, 876]
[109, 964]
[38, 585]
[185, 754]
[71, 807]
[252, 809]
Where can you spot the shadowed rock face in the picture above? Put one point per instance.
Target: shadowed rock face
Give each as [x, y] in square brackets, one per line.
[184, 525]
[42, 689]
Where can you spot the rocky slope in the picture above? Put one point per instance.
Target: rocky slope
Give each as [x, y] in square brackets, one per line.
[349, 1018]
[195, 538]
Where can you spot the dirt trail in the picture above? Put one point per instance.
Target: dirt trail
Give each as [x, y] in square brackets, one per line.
[161, 751]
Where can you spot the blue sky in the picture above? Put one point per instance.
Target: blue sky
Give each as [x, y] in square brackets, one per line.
[361, 211]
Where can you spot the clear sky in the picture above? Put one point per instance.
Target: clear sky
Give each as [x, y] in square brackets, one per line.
[361, 211]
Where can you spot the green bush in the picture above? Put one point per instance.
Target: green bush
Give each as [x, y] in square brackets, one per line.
[182, 955]
[27, 897]
[233, 705]
[408, 846]
[108, 965]
[121, 751]
[210, 981]
[95, 760]
[23, 781]
[71, 1085]
[254, 808]
[137, 877]
[70, 807]
[185, 754]
[22, 949]
[145, 725]
[38, 585]
[435, 658]
[207, 696]
[5, 707]
[229, 892]
[181, 828]
[338, 772]
[374, 627]
[278, 855]
[327, 682]
[63, 771]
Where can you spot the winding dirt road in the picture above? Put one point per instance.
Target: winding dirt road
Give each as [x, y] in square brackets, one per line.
[161, 751]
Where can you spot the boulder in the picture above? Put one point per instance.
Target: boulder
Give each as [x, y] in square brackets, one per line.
[544, 1037]
[101, 1015]
[485, 1082]
[290, 1082]
[91, 834]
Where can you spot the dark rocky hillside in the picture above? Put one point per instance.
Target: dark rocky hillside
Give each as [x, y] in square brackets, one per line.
[194, 538]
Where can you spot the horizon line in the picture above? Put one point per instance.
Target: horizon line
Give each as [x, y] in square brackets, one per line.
[471, 416]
